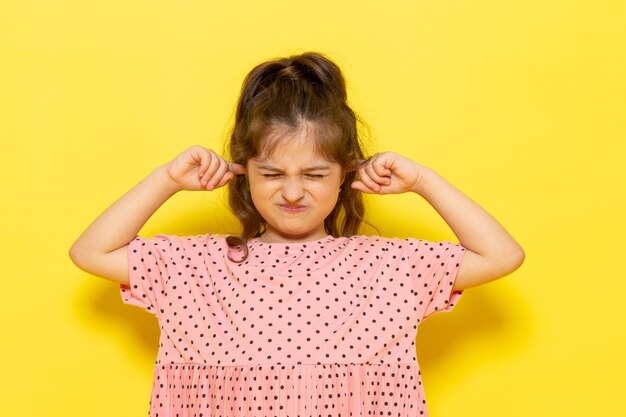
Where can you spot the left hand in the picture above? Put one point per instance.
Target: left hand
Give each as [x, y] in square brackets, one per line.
[388, 173]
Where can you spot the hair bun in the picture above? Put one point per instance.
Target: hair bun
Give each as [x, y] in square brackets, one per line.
[290, 72]
[316, 69]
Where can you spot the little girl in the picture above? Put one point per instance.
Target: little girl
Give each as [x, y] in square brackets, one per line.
[299, 315]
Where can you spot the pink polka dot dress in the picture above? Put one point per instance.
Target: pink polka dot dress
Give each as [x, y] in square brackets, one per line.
[321, 328]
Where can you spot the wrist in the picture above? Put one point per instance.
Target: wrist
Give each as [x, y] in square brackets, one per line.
[425, 177]
[164, 181]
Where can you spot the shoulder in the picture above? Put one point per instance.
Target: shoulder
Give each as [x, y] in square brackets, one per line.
[387, 242]
[406, 245]
[171, 242]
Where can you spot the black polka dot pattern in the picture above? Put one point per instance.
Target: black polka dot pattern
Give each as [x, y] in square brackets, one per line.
[321, 328]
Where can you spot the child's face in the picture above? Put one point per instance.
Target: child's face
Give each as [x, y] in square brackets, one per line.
[294, 190]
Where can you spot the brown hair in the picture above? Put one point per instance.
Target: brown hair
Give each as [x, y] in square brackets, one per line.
[291, 92]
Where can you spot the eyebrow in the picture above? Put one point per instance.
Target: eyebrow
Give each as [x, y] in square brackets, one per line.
[313, 168]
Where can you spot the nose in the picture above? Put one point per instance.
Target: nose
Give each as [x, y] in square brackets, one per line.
[293, 189]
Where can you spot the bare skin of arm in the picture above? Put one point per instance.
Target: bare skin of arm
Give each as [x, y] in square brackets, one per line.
[102, 249]
[491, 252]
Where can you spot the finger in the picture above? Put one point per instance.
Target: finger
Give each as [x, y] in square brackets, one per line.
[228, 176]
[213, 166]
[205, 161]
[237, 169]
[216, 179]
[371, 171]
[375, 167]
[380, 166]
[381, 169]
[367, 181]
[360, 186]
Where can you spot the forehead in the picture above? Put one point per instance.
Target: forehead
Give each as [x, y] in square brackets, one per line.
[284, 146]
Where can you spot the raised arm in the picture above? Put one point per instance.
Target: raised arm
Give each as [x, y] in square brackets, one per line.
[491, 252]
[102, 248]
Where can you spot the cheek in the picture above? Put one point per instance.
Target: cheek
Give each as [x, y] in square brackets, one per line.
[328, 194]
[261, 191]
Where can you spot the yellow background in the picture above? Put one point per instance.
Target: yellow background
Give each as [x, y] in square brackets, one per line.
[520, 104]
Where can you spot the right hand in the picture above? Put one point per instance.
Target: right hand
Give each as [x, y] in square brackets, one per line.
[199, 168]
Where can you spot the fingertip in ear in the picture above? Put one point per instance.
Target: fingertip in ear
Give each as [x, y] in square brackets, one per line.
[238, 169]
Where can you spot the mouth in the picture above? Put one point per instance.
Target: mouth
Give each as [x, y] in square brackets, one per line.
[292, 208]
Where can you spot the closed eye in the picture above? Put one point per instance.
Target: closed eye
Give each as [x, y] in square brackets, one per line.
[310, 176]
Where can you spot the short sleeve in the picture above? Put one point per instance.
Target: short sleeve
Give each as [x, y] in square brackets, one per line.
[149, 267]
[434, 268]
